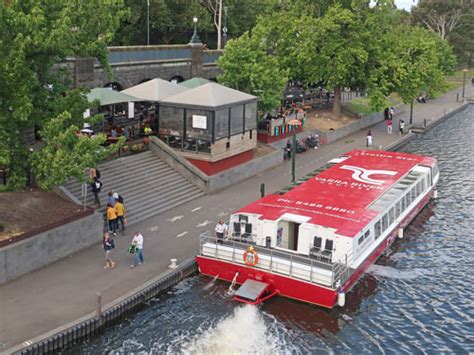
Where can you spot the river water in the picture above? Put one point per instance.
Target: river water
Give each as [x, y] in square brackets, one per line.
[416, 299]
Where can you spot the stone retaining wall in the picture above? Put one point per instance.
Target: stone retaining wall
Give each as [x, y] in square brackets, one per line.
[214, 183]
[44, 248]
[327, 137]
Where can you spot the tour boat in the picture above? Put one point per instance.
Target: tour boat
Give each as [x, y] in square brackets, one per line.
[314, 240]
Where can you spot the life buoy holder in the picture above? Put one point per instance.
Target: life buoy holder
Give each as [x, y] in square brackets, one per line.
[250, 257]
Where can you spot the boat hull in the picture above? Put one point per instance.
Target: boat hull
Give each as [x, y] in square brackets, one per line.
[298, 289]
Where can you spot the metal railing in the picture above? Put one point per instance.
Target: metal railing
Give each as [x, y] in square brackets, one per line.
[278, 261]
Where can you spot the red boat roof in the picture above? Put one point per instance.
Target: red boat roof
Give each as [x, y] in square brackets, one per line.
[339, 196]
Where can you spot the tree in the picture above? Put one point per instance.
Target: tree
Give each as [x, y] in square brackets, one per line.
[440, 16]
[247, 67]
[35, 36]
[416, 61]
[462, 39]
[340, 55]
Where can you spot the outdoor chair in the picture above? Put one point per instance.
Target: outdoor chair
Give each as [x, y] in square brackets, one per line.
[327, 252]
[248, 231]
[236, 232]
[316, 249]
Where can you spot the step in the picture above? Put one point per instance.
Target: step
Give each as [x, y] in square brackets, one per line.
[129, 158]
[165, 198]
[130, 196]
[142, 217]
[123, 183]
[136, 197]
[135, 165]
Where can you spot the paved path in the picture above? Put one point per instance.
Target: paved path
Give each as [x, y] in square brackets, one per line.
[66, 290]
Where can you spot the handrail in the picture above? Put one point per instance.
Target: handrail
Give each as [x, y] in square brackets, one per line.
[339, 271]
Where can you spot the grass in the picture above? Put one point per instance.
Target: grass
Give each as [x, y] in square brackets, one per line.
[459, 74]
[361, 106]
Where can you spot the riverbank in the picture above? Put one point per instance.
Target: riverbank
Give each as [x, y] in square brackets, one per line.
[66, 290]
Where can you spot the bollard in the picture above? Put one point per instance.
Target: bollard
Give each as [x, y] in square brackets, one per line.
[424, 123]
[457, 97]
[262, 190]
[173, 264]
[99, 308]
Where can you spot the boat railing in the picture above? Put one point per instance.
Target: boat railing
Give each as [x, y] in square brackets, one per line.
[319, 271]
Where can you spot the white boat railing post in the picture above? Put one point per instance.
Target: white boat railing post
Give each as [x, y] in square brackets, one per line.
[291, 264]
[215, 252]
[233, 251]
[311, 272]
[271, 260]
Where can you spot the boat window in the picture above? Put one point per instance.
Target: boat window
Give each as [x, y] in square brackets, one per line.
[391, 215]
[385, 222]
[362, 238]
[398, 209]
[378, 229]
[243, 218]
[419, 189]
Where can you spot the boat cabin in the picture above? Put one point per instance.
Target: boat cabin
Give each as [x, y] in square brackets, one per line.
[339, 215]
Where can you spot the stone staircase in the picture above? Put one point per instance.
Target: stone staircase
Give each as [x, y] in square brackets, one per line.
[148, 185]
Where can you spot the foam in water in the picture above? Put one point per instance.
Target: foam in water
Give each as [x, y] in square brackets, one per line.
[243, 332]
[392, 273]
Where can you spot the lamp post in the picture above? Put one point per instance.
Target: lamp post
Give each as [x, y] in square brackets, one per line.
[147, 22]
[195, 38]
[295, 123]
[464, 71]
[224, 30]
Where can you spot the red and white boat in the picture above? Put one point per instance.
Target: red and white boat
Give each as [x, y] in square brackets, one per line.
[313, 242]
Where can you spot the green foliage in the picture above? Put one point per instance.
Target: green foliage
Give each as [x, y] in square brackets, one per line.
[171, 21]
[247, 67]
[65, 154]
[35, 35]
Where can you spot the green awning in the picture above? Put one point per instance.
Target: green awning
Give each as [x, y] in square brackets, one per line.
[194, 82]
[107, 96]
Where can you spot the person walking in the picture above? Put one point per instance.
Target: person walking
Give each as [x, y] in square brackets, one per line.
[389, 126]
[96, 186]
[120, 211]
[401, 126]
[220, 230]
[137, 241]
[108, 244]
[369, 138]
[112, 218]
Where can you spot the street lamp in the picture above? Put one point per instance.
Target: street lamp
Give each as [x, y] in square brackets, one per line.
[148, 22]
[195, 38]
[224, 30]
[464, 71]
[295, 123]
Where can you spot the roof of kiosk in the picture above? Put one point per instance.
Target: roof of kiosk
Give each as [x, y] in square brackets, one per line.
[194, 82]
[155, 90]
[338, 197]
[210, 95]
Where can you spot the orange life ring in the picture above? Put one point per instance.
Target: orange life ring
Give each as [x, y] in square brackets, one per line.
[250, 260]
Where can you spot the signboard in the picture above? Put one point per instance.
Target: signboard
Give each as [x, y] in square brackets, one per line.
[131, 109]
[199, 122]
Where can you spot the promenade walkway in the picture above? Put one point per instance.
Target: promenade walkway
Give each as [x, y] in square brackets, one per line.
[67, 290]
